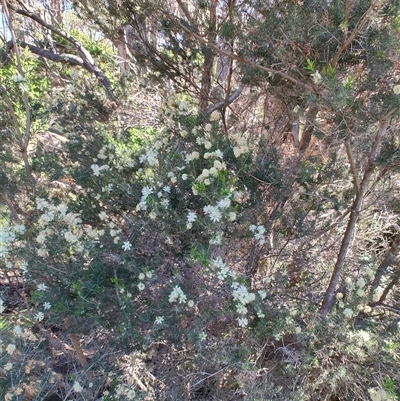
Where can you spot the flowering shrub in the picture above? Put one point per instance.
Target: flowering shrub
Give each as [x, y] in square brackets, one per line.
[175, 237]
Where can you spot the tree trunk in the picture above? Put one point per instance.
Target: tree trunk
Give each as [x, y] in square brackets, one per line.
[208, 60]
[329, 298]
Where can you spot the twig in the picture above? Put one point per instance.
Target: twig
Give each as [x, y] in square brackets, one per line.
[209, 375]
[346, 43]
[352, 166]
[78, 349]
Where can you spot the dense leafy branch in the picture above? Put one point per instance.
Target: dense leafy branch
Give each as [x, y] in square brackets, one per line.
[237, 58]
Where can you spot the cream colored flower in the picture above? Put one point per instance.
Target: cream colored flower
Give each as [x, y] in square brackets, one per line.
[8, 366]
[11, 348]
[348, 312]
[214, 115]
[77, 387]
[208, 145]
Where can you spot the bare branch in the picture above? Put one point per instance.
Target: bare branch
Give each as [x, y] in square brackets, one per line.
[185, 11]
[346, 42]
[87, 59]
[226, 102]
[329, 297]
[352, 166]
[64, 58]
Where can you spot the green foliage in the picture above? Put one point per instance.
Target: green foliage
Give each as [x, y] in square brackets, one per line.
[191, 255]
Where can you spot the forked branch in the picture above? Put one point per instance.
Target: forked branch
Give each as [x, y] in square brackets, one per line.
[329, 298]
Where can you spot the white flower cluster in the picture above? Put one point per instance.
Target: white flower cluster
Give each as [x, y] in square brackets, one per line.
[208, 174]
[171, 175]
[216, 239]
[396, 89]
[102, 156]
[19, 78]
[218, 154]
[358, 289]
[258, 233]
[71, 228]
[8, 235]
[240, 293]
[151, 156]
[177, 295]
[379, 394]
[241, 145]
[102, 153]
[214, 115]
[317, 78]
[142, 205]
[215, 212]
[223, 269]
[192, 156]
[98, 169]
[191, 218]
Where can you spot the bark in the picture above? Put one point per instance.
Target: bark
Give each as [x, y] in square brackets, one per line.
[393, 282]
[11, 207]
[329, 297]
[208, 60]
[122, 51]
[227, 102]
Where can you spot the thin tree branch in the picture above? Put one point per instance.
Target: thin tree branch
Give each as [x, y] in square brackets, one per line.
[10, 205]
[329, 297]
[386, 262]
[66, 58]
[86, 57]
[226, 102]
[185, 11]
[346, 43]
[352, 166]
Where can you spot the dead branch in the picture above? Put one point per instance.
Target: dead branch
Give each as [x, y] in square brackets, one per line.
[87, 59]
